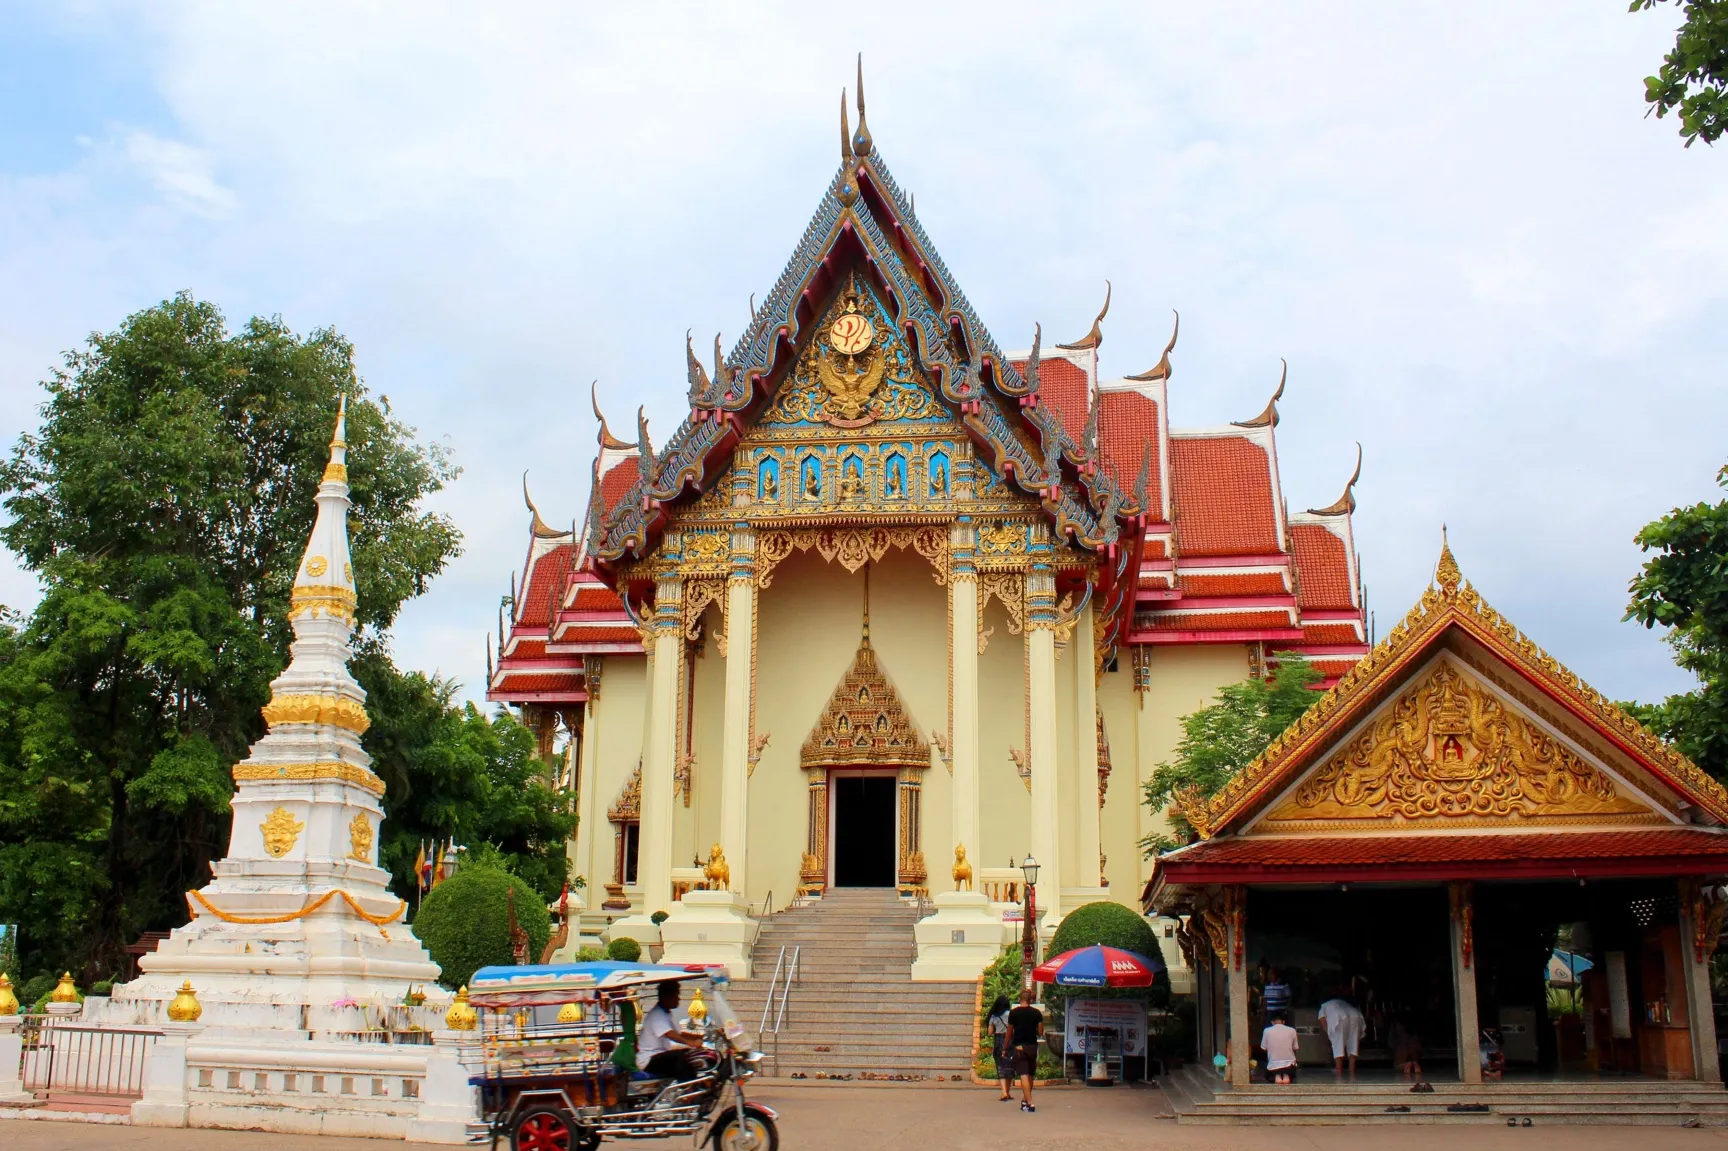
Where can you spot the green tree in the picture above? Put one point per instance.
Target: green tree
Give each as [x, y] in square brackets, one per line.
[1221, 739]
[163, 505]
[465, 921]
[1693, 79]
[454, 773]
[1684, 587]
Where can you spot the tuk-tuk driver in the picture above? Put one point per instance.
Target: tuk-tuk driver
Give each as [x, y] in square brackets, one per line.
[661, 1049]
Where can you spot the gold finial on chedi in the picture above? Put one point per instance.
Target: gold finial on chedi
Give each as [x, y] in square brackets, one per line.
[185, 1008]
[461, 1016]
[8, 1000]
[1446, 572]
[65, 991]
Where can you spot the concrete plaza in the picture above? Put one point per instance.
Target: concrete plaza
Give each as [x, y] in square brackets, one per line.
[927, 1119]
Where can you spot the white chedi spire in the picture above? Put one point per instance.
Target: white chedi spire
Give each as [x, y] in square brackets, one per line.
[299, 915]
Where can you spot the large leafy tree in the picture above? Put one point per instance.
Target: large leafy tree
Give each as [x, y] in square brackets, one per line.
[1222, 738]
[1693, 79]
[1684, 587]
[163, 504]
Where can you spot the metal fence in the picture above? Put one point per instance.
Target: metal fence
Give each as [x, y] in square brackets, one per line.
[72, 1058]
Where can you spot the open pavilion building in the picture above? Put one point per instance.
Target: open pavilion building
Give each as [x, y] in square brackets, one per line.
[1422, 839]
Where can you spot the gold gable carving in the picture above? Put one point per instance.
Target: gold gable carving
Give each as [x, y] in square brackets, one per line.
[1447, 749]
[627, 808]
[864, 722]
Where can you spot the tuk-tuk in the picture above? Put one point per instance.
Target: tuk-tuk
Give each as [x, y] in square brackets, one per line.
[560, 1068]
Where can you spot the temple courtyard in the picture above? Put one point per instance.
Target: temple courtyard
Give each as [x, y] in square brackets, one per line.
[907, 1118]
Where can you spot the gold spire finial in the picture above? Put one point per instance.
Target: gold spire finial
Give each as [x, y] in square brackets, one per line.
[1446, 572]
[845, 131]
[1096, 336]
[861, 139]
[1162, 370]
[336, 471]
[866, 605]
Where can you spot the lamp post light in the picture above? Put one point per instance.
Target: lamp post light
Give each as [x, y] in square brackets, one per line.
[1028, 932]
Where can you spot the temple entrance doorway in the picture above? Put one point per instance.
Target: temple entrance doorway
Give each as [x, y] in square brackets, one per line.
[863, 819]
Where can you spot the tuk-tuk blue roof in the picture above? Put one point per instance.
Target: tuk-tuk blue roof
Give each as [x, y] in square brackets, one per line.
[512, 986]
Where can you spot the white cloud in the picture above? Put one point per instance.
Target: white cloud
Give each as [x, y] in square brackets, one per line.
[182, 173]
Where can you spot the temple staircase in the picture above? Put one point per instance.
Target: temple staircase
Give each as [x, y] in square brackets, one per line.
[853, 1011]
[1198, 1096]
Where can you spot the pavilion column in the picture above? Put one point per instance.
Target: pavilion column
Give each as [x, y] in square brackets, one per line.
[1088, 802]
[1046, 831]
[1236, 976]
[964, 624]
[739, 706]
[1697, 943]
[659, 757]
[1461, 899]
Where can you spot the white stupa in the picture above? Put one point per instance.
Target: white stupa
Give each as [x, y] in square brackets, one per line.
[299, 916]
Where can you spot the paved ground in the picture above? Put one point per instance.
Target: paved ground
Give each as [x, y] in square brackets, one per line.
[927, 1119]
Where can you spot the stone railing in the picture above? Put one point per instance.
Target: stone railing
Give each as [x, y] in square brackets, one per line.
[1000, 884]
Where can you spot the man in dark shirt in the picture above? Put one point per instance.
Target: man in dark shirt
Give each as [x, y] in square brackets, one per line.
[1025, 1026]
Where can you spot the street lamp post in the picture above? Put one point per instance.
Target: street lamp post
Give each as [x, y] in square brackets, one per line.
[1028, 932]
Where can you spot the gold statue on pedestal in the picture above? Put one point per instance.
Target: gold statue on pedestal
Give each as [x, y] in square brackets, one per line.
[716, 871]
[962, 869]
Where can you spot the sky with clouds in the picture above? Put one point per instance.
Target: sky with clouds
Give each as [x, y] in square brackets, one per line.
[1453, 219]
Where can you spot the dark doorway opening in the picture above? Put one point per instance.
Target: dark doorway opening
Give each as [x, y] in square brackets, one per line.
[864, 831]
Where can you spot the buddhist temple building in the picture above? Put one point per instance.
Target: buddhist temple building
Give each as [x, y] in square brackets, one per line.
[889, 595]
[1455, 816]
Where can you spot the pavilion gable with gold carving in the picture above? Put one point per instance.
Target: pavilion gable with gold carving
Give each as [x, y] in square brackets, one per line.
[1454, 796]
[1054, 577]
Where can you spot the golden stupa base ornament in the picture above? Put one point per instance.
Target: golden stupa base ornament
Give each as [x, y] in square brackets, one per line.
[461, 1016]
[65, 991]
[8, 1000]
[185, 1008]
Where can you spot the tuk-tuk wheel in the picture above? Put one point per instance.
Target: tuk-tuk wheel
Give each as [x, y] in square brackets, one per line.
[756, 1133]
[545, 1129]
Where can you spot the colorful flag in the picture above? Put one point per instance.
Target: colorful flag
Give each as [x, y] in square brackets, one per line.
[421, 875]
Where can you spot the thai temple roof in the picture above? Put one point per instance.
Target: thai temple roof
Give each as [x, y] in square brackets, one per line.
[1193, 524]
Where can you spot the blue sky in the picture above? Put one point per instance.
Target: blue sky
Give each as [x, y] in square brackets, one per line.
[1453, 219]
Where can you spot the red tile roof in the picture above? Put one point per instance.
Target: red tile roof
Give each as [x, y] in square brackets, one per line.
[1213, 620]
[1127, 433]
[1322, 568]
[545, 586]
[1257, 583]
[1347, 856]
[1063, 387]
[1331, 633]
[513, 681]
[597, 633]
[616, 482]
[1223, 489]
[596, 597]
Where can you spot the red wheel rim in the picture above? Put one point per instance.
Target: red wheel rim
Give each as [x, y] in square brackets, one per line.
[543, 1133]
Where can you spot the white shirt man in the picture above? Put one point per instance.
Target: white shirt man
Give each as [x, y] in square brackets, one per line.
[1280, 1041]
[1344, 1027]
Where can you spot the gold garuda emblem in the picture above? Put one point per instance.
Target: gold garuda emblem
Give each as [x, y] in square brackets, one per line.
[852, 368]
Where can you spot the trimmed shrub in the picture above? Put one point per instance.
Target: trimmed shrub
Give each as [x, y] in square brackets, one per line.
[465, 922]
[1109, 925]
[624, 950]
[590, 954]
[36, 990]
[659, 917]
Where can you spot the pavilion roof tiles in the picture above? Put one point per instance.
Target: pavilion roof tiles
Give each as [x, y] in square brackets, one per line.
[1223, 489]
[1323, 567]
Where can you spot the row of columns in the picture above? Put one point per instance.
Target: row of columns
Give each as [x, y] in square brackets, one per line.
[666, 653]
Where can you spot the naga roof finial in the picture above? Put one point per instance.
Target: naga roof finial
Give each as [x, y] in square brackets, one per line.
[1162, 370]
[847, 185]
[1096, 336]
[539, 527]
[722, 382]
[1346, 503]
[699, 382]
[1269, 417]
[1446, 572]
[1031, 371]
[607, 439]
[861, 138]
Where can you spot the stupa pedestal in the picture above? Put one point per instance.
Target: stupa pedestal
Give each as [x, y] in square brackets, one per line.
[298, 923]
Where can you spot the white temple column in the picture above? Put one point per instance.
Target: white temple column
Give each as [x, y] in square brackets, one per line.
[1236, 976]
[1086, 804]
[1461, 897]
[737, 732]
[964, 623]
[1695, 950]
[659, 758]
[1046, 837]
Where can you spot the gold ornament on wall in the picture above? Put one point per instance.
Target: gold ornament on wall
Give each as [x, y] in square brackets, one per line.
[360, 838]
[280, 829]
[317, 566]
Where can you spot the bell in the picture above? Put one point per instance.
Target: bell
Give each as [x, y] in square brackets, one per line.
[64, 991]
[8, 1001]
[185, 1008]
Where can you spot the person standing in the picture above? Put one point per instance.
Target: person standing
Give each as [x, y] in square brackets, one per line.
[1275, 996]
[999, 1049]
[1280, 1041]
[1344, 1027]
[1025, 1028]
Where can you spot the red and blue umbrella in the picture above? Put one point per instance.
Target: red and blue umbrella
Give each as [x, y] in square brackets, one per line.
[1099, 966]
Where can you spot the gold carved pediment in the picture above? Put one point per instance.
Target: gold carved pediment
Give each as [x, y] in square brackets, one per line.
[1449, 751]
[864, 722]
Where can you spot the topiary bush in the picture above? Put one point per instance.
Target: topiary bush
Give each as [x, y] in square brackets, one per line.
[36, 990]
[590, 954]
[1109, 925]
[624, 950]
[465, 922]
[659, 917]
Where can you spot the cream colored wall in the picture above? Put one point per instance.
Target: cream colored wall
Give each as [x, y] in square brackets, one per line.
[615, 727]
[808, 630]
[1119, 818]
[698, 829]
[1004, 806]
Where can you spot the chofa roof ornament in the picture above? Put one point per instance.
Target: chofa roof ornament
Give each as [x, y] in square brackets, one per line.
[1268, 417]
[1162, 370]
[1346, 503]
[1093, 338]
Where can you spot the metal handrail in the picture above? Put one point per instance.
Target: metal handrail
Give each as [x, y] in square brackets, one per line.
[767, 904]
[786, 991]
[768, 1004]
